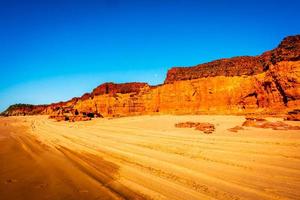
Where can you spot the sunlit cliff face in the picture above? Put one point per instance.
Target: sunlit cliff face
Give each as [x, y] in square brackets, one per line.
[268, 83]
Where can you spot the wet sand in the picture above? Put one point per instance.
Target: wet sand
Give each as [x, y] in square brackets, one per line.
[146, 157]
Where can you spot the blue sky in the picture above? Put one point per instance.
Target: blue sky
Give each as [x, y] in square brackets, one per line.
[53, 50]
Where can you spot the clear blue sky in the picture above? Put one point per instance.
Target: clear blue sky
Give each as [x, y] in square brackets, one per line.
[52, 50]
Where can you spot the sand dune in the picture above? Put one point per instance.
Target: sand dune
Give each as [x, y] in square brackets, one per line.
[146, 157]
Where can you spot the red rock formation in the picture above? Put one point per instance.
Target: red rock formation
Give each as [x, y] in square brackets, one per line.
[259, 123]
[204, 127]
[236, 66]
[24, 109]
[269, 83]
[112, 88]
[293, 115]
[288, 50]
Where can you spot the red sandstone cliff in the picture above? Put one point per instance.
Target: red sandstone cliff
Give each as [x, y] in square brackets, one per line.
[288, 50]
[112, 88]
[269, 83]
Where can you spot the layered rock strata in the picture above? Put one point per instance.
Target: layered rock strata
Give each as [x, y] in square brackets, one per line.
[269, 83]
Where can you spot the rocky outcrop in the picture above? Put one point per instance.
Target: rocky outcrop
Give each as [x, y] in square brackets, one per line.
[287, 50]
[237, 66]
[123, 88]
[262, 123]
[269, 83]
[206, 128]
[24, 109]
[72, 118]
[293, 115]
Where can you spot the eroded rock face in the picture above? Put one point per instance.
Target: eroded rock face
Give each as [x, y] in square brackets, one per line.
[112, 88]
[237, 66]
[288, 50]
[276, 90]
[269, 83]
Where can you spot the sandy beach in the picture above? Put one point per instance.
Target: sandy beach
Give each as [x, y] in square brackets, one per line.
[146, 157]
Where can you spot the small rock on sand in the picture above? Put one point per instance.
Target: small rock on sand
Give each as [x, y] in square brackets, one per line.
[206, 128]
[235, 129]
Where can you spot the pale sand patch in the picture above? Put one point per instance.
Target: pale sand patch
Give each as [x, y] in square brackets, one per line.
[147, 157]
